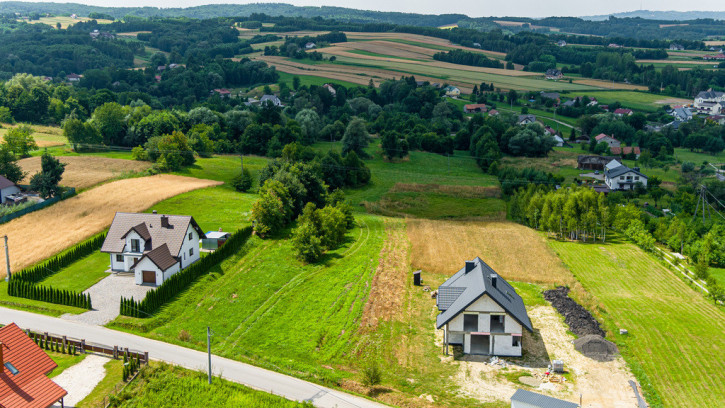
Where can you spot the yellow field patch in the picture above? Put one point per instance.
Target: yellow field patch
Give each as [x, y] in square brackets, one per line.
[86, 171]
[41, 234]
[45, 136]
[512, 250]
[609, 85]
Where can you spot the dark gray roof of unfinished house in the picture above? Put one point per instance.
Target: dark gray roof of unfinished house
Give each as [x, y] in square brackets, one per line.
[619, 170]
[464, 288]
[173, 235]
[540, 401]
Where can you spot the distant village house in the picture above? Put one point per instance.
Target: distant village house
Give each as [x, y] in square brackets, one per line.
[620, 177]
[553, 74]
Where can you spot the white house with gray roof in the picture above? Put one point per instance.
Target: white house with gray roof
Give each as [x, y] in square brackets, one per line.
[620, 177]
[709, 102]
[152, 246]
[481, 312]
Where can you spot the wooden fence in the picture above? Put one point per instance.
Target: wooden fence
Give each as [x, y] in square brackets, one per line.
[115, 352]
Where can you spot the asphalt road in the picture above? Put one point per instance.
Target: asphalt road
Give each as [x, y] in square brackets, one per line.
[251, 376]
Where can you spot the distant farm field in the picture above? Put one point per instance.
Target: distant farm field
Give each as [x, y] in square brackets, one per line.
[83, 171]
[45, 136]
[65, 22]
[38, 235]
[636, 100]
[675, 334]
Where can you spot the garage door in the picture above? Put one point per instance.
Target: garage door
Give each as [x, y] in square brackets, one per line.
[149, 277]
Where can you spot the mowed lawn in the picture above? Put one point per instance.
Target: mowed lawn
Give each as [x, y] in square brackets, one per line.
[267, 307]
[675, 334]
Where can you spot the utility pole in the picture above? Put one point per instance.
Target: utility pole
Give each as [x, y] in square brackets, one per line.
[208, 348]
[7, 258]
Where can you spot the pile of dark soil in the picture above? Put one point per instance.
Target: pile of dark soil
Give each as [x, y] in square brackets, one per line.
[579, 320]
[596, 347]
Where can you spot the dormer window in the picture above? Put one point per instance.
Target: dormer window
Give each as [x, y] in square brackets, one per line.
[135, 245]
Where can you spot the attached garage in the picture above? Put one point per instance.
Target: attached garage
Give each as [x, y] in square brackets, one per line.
[149, 276]
[156, 266]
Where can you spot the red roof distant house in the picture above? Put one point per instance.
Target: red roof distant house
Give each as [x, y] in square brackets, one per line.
[622, 112]
[23, 379]
[714, 57]
[157, 78]
[222, 92]
[625, 150]
[74, 77]
[475, 107]
[604, 107]
[493, 112]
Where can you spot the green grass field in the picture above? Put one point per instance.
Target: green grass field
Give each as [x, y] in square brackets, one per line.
[223, 168]
[638, 100]
[313, 80]
[287, 316]
[675, 334]
[375, 54]
[81, 274]
[697, 158]
[718, 274]
[162, 385]
[212, 208]
[462, 75]
[417, 168]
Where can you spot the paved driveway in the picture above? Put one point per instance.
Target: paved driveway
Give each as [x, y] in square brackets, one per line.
[106, 299]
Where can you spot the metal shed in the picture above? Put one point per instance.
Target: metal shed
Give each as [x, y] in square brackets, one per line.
[214, 239]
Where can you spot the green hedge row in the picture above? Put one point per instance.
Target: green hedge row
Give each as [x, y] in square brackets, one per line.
[38, 272]
[30, 290]
[181, 280]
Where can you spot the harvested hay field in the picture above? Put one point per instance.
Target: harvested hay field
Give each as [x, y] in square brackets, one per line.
[83, 171]
[41, 234]
[514, 251]
[609, 85]
[457, 191]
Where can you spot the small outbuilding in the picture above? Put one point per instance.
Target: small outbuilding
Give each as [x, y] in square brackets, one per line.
[528, 399]
[7, 188]
[214, 239]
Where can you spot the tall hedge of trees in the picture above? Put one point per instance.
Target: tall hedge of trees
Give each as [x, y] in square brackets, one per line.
[177, 283]
[34, 291]
[462, 57]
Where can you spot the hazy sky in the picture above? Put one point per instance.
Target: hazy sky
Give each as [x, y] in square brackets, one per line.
[473, 8]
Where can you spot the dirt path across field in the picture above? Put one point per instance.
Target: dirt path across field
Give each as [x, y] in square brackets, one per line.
[601, 384]
[41, 234]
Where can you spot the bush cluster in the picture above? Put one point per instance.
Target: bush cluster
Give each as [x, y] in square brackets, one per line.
[168, 290]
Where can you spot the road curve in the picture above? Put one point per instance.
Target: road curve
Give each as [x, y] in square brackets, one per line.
[249, 375]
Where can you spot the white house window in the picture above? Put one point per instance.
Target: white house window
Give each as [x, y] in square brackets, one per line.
[119, 258]
[190, 236]
[515, 341]
[191, 251]
[636, 177]
[470, 322]
[135, 245]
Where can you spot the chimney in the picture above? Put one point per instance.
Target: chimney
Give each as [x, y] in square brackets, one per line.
[2, 360]
[636, 169]
[469, 266]
[220, 229]
[494, 278]
[164, 221]
[154, 212]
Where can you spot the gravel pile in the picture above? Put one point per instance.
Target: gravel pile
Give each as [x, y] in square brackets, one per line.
[596, 347]
[579, 320]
